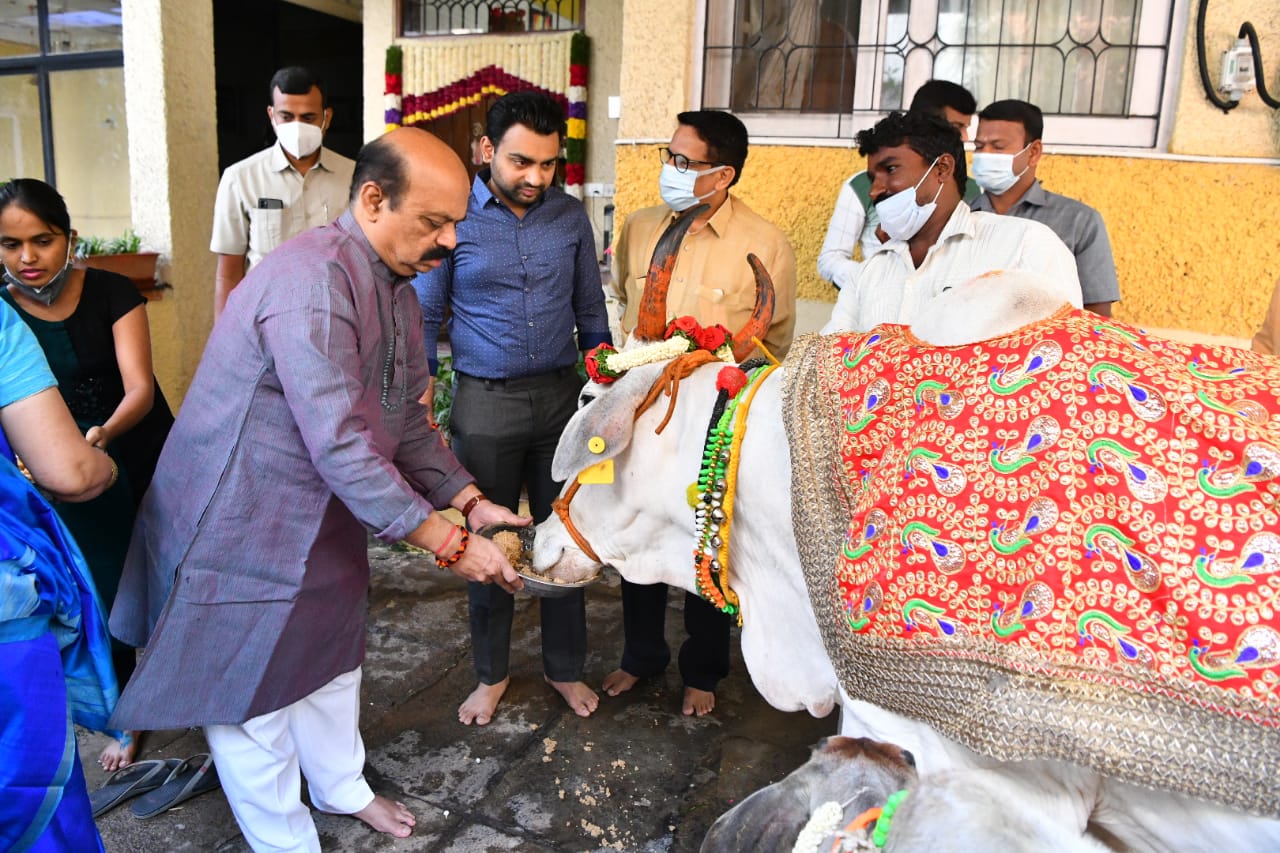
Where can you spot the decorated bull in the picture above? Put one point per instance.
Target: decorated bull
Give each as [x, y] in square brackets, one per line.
[1013, 532]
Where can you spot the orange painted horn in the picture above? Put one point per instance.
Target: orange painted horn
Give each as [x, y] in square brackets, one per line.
[652, 319]
[761, 316]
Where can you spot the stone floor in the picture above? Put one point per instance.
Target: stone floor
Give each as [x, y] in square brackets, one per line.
[637, 775]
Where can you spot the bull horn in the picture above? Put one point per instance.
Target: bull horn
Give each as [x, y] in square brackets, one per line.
[652, 319]
[761, 316]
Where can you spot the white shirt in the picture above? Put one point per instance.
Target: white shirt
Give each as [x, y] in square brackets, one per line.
[851, 224]
[241, 226]
[890, 289]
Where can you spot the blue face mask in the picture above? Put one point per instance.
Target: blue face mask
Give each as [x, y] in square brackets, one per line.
[677, 187]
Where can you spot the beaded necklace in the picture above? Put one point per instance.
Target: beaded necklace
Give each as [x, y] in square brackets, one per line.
[717, 479]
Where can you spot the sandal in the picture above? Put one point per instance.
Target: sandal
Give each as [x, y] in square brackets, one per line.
[190, 778]
[138, 778]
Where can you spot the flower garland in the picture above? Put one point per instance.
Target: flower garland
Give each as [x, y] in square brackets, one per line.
[716, 485]
[881, 833]
[575, 144]
[606, 364]
[432, 78]
[392, 115]
[822, 823]
[869, 830]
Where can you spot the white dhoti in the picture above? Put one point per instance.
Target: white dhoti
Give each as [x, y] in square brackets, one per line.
[259, 760]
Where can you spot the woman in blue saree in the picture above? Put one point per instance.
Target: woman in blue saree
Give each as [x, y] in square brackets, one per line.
[55, 656]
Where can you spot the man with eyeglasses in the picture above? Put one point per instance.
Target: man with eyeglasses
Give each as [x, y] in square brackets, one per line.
[712, 283]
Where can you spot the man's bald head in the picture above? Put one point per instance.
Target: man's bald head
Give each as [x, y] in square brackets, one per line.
[386, 161]
[408, 191]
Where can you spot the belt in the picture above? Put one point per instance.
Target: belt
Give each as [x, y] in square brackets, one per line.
[522, 383]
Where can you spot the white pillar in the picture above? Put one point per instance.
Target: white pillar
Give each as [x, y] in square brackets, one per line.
[173, 160]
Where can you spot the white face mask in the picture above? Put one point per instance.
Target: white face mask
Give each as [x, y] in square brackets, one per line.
[901, 216]
[994, 172]
[677, 187]
[299, 138]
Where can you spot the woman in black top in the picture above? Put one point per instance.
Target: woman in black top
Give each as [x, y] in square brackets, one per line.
[92, 326]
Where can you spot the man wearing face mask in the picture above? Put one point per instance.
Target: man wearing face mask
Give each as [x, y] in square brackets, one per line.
[278, 193]
[916, 165]
[1007, 151]
[854, 221]
[712, 283]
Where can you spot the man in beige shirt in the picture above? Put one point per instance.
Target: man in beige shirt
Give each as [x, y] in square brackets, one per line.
[713, 283]
[278, 193]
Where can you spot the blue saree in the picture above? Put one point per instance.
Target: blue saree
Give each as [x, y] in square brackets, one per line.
[55, 669]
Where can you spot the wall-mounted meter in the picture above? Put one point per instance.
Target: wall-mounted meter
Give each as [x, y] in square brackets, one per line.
[1237, 78]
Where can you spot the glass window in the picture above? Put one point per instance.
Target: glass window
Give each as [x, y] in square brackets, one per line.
[76, 26]
[828, 68]
[464, 17]
[62, 105]
[20, 148]
[91, 148]
[19, 30]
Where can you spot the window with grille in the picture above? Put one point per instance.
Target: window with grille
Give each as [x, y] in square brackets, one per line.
[828, 68]
[466, 17]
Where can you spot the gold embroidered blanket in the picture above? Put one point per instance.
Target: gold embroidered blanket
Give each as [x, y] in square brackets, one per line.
[1061, 543]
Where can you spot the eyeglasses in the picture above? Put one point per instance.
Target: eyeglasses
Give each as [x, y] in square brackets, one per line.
[681, 162]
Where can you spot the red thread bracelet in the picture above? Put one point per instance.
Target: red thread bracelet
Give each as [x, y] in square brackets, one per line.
[453, 531]
[462, 548]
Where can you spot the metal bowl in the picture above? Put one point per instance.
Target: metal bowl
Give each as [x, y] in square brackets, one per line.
[534, 584]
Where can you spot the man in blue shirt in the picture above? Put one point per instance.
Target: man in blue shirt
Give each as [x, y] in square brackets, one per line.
[524, 275]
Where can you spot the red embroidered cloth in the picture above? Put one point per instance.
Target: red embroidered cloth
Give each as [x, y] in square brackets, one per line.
[1077, 506]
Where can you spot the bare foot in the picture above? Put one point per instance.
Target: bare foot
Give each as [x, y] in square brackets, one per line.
[119, 753]
[581, 698]
[387, 816]
[619, 681]
[698, 702]
[478, 707]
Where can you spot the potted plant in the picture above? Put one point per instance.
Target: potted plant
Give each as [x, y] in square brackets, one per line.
[121, 255]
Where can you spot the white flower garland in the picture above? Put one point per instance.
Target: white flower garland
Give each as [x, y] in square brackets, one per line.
[661, 351]
[822, 823]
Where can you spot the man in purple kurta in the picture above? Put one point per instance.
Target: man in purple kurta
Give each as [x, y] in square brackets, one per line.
[248, 574]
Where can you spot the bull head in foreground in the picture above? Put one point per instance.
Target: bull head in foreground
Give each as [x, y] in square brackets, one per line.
[845, 611]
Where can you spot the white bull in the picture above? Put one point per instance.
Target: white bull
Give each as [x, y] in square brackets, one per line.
[642, 525]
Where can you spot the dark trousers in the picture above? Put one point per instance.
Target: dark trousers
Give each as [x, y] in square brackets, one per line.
[505, 433]
[704, 656]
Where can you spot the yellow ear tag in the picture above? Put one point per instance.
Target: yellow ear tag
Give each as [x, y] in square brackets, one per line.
[595, 444]
[692, 495]
[599, 474]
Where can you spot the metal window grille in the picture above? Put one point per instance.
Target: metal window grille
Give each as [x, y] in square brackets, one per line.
[1081, 58]
[465, 17]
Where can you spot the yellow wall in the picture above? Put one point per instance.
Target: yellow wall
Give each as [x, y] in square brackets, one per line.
[1197, 245]
[1250, 130]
